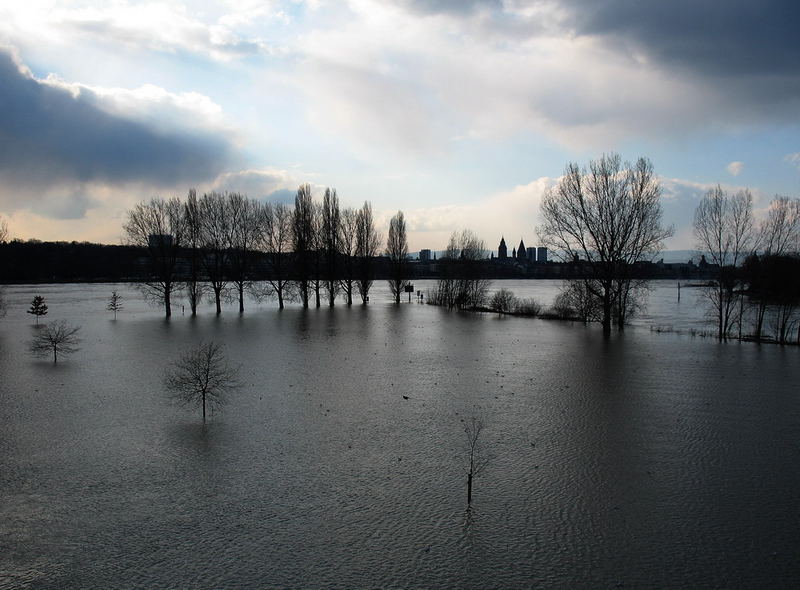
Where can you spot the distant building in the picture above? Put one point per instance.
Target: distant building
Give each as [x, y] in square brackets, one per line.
[502, 251]
[541, 254]
[531, 254]
[425, 255]
[522, 254]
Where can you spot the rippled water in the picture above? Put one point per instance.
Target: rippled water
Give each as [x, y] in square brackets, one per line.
[651, 460]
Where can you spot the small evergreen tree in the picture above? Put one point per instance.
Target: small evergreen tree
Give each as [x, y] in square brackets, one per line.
[38, 307]
[115, 303]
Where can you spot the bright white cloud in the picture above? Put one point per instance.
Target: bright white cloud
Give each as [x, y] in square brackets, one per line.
[735, 168]
[154, 26]
[513, 214]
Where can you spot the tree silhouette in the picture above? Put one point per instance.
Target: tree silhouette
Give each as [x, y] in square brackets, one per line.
[397, 251]
[476, 460]
[723, 227]
[367, 243]
[202, 377]
[609, 216]
[38, 307]
[56, 337]
[159, 225]
[114, 303]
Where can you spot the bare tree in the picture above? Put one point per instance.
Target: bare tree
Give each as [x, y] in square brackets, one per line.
[778, 235]
[159, 226]
[3, 231]
[476, 460]
[367, 243]
[724, 229]
[195, 288]
[276, 242]
[202, 377]
[114, 303]
[317, 253]
[303, 239]
[575, 300]
[463, 285]
[38, 307]
[397, 251]
[503, 301]
[215, 235]
[331, 228]
[245, 225]
[57, 338]
[348, 227]
[610, 216]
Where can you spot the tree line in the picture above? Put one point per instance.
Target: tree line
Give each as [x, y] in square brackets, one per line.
[607, 217]
[215, 245]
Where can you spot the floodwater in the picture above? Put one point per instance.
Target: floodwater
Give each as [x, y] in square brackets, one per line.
[650, 460]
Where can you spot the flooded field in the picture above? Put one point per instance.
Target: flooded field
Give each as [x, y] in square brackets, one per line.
[650, 460]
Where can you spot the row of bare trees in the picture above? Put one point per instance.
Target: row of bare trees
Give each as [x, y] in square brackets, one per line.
[213, 245]
[750, 258]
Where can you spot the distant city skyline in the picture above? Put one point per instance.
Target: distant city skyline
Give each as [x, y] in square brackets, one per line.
[461, 114]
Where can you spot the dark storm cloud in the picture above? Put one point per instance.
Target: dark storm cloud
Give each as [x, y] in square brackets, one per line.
[49, 135]
[731, 37]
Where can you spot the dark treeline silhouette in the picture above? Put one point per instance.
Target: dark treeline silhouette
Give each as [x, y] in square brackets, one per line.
[226, 245]
[34, 261]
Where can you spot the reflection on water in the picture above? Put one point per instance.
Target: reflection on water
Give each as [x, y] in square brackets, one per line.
[650, 460]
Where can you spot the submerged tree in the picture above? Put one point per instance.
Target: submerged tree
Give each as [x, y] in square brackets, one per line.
[114, 303]
[330, 234]
[245, 227]
[724, 229]
[397, 251]
[158, 226]
[503, 301]
[303, 239]
[216, 238]
[38, 307]
[476, 460]
[463, 285]
[195, 289]
[276, 242]
[57, 338]
[778, 235]
[202, 377]
[609, 216]
[347, 242]
[367, 243]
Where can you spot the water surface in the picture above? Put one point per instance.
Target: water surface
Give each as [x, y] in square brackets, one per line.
[651, 460]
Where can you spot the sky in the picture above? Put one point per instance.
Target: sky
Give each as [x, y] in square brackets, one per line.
[459, 113]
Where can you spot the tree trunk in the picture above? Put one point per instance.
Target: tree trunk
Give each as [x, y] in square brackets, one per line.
[204, 407]
[606, 314]
[469, 489]
[241, 298]
[167, 304]
[217, 298]
[280, 298]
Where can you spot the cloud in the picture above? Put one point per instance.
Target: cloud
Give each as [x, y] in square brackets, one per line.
[255, 183]
[60, 141]
[735, 168]
[411, 74]
[793, 159]
[154, 26]
[512, 213]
